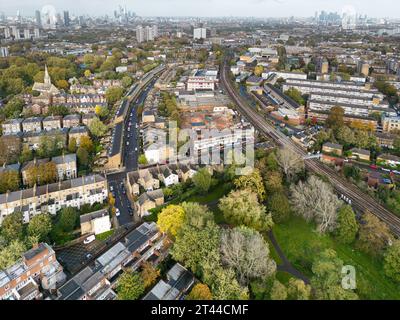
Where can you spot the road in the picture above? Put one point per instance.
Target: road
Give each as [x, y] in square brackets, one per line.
[131, 137]
[136, 96]
[360, 200]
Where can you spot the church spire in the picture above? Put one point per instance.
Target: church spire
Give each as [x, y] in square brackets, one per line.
[47, 79]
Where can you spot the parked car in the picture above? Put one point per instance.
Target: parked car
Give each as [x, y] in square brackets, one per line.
[89, 239]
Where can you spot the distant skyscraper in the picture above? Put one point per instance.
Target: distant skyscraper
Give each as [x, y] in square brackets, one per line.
[3, 52]
[199, 33]
[66, 19]
[38, 18]
[15, 32]
[36, 33]
[139, 34]
[7, 33]
[27, 34]
[146, 34]
[348, 21]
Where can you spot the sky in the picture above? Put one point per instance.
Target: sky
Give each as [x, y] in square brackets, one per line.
[208, 8]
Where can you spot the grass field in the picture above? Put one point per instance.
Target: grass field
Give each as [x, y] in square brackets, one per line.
[301, 243]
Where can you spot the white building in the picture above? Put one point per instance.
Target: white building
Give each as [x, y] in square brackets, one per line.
[146, 34]
[95, 222]
[53, 197]
[199, 33]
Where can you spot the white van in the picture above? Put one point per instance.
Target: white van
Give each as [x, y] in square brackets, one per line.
[89, 239]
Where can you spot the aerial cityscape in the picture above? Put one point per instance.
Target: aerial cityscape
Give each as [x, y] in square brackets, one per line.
[170, 151]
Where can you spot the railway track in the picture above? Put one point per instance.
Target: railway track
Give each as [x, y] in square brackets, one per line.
[360, 201]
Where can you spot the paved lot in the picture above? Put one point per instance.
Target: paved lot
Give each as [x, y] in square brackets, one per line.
[73, 257]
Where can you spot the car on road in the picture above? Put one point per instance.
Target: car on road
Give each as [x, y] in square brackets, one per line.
[111, 188]
[127, 143]
[136, 149]
[117, 212]
[89, 239]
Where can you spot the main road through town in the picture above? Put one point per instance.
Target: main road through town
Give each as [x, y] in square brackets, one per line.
[360, 201]
[136, 96]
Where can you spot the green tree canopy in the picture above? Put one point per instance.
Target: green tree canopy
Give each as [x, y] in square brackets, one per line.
[130, 286]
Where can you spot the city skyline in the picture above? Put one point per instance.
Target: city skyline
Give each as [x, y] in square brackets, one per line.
[207, 8]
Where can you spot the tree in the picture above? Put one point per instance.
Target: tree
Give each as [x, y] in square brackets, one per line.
[67, 219]
[200, 292]
[14, 107]
[170, 219]
[290, 162]
[10, 147]
[126, 81]
[279, 206]
[335, 118]
[298, 290]
[142, 159]
[346, 136]
[315, 200]
[296, 96]
[327, 278]
[391, 264]
[258, 70]
[278, 291]
[193, 246]
[83, 156]
[40, 225]
[223, 283]
[241, 207]
[149, 274]
[374, 235]
[9, 181]
[252, 182]
[62, 84]
[347, 226]
[87, 73]
[273, 182]
[12, 227]
[97, 128]
[11, 253]
[197, 215]
[246, 252]
[202, 180]
[102, 111]
[86, 143]
[113, 94]
[72, 146]
[130, 286]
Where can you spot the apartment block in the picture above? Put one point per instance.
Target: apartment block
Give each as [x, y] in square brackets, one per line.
[178, 282]
[145, 243]
[53, 197]
[391, 124]
[33, 124]
[12, 126]
[66, 166]
[38, 266]
[52, 122]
